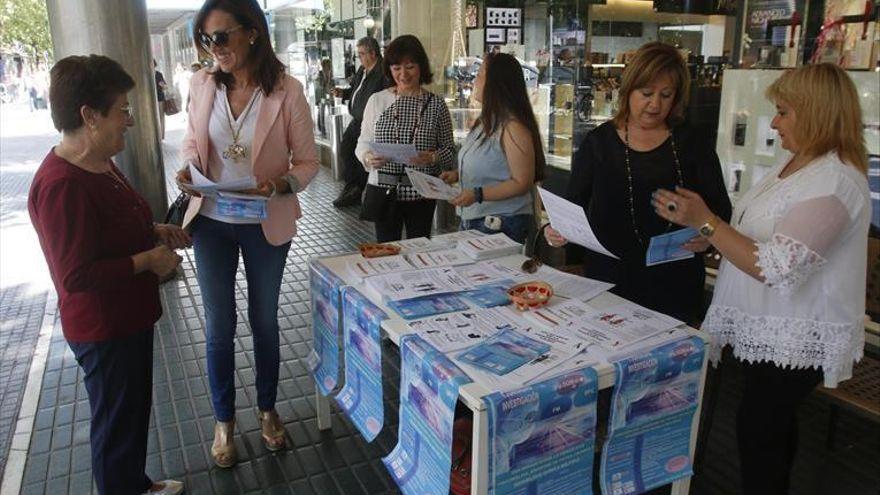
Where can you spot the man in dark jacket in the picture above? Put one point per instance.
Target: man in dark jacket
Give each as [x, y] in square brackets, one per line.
[368, 79]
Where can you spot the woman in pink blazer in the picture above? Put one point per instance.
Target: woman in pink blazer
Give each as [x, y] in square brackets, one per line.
[247, 118]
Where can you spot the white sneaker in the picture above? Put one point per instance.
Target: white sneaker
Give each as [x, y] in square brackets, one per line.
[169, 487]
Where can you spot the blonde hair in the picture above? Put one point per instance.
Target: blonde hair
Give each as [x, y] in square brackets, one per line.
[650, 62]
[827, 112]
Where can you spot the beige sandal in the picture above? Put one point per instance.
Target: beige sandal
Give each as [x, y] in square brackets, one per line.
[272, 430]
[223, 449]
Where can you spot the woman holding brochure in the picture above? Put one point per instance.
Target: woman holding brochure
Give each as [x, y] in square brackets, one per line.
[790, 295]
[405, 114]
[502, 156]
[622, 162]
[247, 120]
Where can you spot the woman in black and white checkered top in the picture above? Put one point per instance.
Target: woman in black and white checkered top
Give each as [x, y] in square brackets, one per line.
[404, 114]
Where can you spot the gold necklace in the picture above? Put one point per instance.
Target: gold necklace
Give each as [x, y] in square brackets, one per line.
[236, 150]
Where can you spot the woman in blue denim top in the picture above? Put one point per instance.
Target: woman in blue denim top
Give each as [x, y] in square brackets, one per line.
[502, 157]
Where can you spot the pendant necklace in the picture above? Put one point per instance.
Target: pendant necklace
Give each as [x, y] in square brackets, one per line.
[632, 208]
[236, 150]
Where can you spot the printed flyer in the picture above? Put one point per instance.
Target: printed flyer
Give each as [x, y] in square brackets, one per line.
[655, 398]
[504, 352]
[429, 384]
[541, 437]
[323, 361]
[361, 396]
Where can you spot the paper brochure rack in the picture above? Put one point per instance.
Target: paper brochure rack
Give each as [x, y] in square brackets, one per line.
[471, 395]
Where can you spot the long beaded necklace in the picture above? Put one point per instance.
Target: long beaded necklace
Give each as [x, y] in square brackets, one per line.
[236, 150]
[629, 177]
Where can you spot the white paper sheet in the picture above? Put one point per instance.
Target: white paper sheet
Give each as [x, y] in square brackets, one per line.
[571, 221]
[416, 283]
[400, 153]
[208, 187]
[620, 326]
[363, 267]
[418, 245]
[434, 259]
[571, 286]
[430, 186]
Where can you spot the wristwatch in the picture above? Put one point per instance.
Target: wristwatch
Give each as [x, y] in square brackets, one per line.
[708, 228]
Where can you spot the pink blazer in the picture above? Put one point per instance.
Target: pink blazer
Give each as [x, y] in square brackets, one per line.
[284, 143]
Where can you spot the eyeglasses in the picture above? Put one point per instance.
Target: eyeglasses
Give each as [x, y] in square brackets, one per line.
[219, 38]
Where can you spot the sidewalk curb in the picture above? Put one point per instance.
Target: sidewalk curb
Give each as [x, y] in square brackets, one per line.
[21, 439]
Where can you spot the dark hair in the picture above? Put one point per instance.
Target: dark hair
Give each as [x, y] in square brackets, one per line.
[407, 47]
[653, 60]
[264, 64]
[94, 81]
[505, 99]
[370, 43]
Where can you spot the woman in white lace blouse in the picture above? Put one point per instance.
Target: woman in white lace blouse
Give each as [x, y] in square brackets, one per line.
[790, 295]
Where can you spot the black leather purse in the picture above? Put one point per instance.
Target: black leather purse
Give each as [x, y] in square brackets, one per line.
[177, 209]
[379, 203]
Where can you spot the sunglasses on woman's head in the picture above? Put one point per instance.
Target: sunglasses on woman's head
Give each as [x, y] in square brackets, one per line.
[219, 38]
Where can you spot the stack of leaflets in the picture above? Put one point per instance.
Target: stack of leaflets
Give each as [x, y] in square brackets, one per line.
[362, 268]
[491, 273]
[614, 328]
[504, 352]
[621, 326]
[457, 331]
[418, 245]
[434, 259]
[416, 283]
[489, 246]
[571, 286]
[450, 239]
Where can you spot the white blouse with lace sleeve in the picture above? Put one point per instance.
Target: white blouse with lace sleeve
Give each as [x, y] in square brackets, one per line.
[811, 233]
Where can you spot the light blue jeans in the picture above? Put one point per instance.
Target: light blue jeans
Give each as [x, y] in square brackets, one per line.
[217, 245]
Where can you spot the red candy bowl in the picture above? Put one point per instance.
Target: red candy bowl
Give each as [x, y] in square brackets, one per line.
[530, 294]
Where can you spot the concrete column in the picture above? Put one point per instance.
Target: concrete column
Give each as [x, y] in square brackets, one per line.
[118, 29]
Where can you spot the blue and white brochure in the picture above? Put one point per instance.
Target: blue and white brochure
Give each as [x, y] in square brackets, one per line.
[655, 398]
[429, 383]
[665, 248]
[323, 360]
[541, 436]
[420, 307]
[504, 352]
[361, 396]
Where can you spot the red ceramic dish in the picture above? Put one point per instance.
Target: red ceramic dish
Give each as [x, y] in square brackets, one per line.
[369, 250]
[530, 294]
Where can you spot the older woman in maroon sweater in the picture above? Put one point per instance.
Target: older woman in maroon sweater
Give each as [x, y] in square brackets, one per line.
[101, 247]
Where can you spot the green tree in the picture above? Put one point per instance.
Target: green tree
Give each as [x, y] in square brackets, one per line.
[24, 26]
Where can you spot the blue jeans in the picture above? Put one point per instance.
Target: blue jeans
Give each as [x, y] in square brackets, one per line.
[217, 245]
[515, 226]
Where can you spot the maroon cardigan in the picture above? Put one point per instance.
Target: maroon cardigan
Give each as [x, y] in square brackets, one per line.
[89, 226]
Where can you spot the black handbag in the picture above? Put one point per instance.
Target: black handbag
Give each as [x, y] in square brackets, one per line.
[177, 210]
[379, 203]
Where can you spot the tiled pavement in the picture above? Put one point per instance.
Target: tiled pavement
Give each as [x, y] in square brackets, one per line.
[337, 461]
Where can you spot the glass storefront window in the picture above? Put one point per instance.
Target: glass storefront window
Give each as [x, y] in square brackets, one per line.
[573, 53]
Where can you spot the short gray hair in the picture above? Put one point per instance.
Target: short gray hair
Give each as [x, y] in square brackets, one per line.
[370, 43]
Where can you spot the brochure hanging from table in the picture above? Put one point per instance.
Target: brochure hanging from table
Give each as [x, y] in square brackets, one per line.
[361, 396]
[323, 360]
[429, 384]
[541, 436]
[655, 397]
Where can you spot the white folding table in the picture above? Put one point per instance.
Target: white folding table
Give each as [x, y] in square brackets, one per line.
[471, 394]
